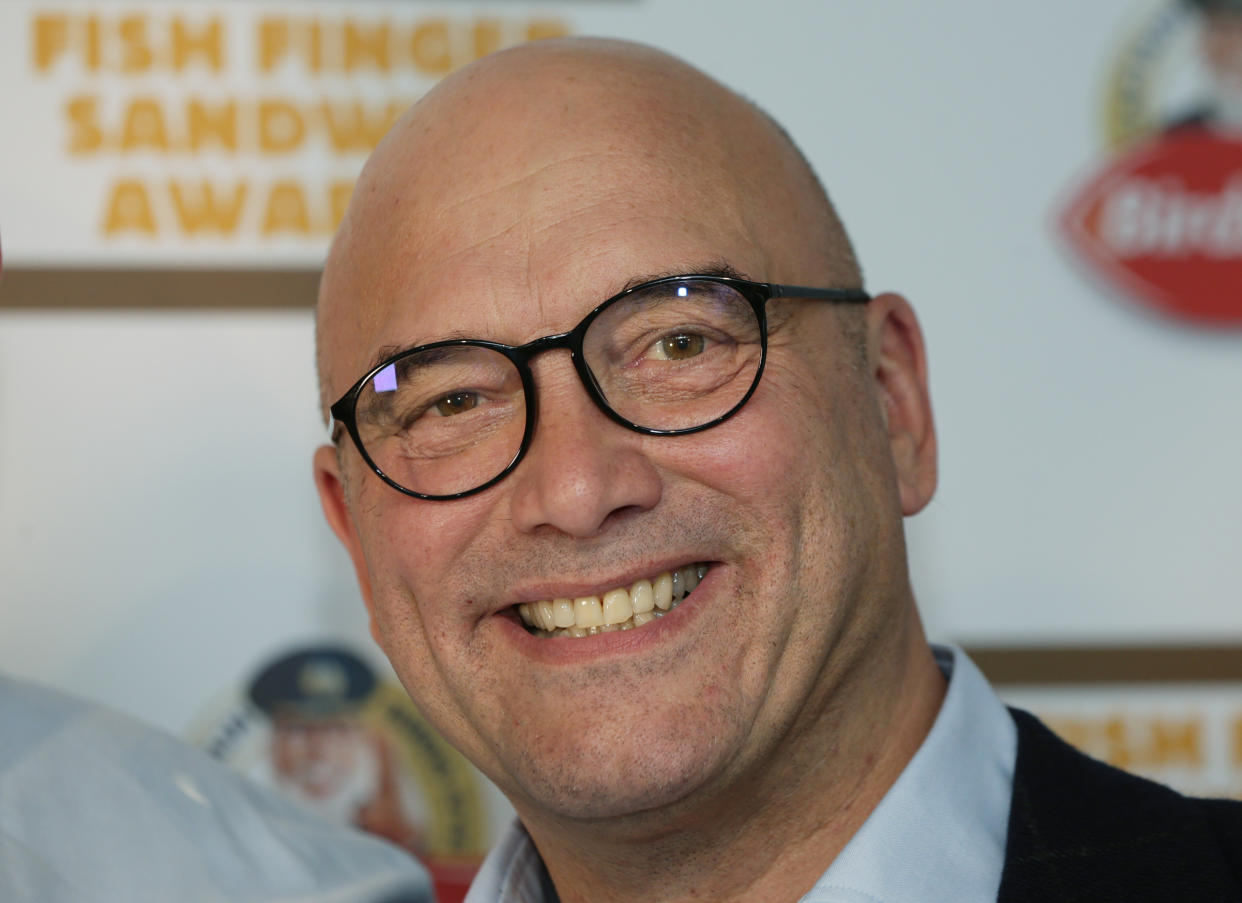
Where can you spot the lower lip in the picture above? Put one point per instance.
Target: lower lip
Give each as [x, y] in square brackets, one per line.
[571, 650]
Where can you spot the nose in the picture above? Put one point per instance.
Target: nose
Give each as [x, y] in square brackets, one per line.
[582, 470]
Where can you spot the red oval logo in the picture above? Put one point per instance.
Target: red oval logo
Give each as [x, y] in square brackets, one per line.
[1163, 222]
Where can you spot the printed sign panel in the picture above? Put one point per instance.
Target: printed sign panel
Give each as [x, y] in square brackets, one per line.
[1169, 713]
[1161, 221]
[221, 133]
[158, 527]
[1189, 738]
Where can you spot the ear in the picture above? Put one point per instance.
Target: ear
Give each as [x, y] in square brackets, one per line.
[898, 363]
[331, 488]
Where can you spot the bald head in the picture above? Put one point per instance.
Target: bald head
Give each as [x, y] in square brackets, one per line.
[530, 161]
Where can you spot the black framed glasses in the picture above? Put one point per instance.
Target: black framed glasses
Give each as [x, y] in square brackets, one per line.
[666, 358]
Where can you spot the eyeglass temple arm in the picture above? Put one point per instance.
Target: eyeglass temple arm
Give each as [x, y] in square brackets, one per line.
[818, 294]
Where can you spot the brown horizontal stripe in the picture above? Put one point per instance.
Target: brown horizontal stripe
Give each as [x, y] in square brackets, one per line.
[1108, 664]
[73, 288]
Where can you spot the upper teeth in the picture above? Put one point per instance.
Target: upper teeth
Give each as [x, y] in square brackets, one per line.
[618, 609]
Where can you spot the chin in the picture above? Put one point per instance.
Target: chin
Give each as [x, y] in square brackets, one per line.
[617, 796]
[646, 769]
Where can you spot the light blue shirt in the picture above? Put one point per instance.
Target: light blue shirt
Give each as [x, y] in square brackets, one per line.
[937, 836]
[97, 808]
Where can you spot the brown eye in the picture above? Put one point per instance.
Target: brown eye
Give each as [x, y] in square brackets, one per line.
[680, 347]
[457, 403]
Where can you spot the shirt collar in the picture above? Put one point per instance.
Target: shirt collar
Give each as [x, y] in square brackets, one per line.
[512, 872]
[946, 816]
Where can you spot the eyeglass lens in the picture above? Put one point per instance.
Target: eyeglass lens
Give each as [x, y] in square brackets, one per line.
[667, 357]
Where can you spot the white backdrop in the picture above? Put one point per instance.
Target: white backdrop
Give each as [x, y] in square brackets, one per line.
[158, 527]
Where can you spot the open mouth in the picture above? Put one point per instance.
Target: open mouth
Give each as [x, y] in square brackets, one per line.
[623, 608]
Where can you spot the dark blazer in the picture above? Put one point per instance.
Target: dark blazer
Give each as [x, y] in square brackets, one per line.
[1081, 831]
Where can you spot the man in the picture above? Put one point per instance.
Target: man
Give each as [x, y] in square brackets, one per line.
[557, 410]
[1220, 48]
[323, 753]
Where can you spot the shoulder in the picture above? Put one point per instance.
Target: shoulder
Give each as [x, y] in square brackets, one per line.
[1225, 817]
[93, 799]
[1082, 830]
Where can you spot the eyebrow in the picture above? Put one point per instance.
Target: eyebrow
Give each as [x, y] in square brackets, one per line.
[385, 352]
[717, 267]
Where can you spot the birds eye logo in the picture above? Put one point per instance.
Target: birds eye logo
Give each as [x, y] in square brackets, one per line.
[320, 725]
[1162, 219]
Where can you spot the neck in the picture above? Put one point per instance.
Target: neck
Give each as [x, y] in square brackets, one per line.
[772, 832]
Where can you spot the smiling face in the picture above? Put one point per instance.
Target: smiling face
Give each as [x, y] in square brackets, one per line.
[508, 204]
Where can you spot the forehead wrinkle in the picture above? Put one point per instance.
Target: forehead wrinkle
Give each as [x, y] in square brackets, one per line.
[547, 170]
[470, 224]
[527, 241]
[454, 227]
